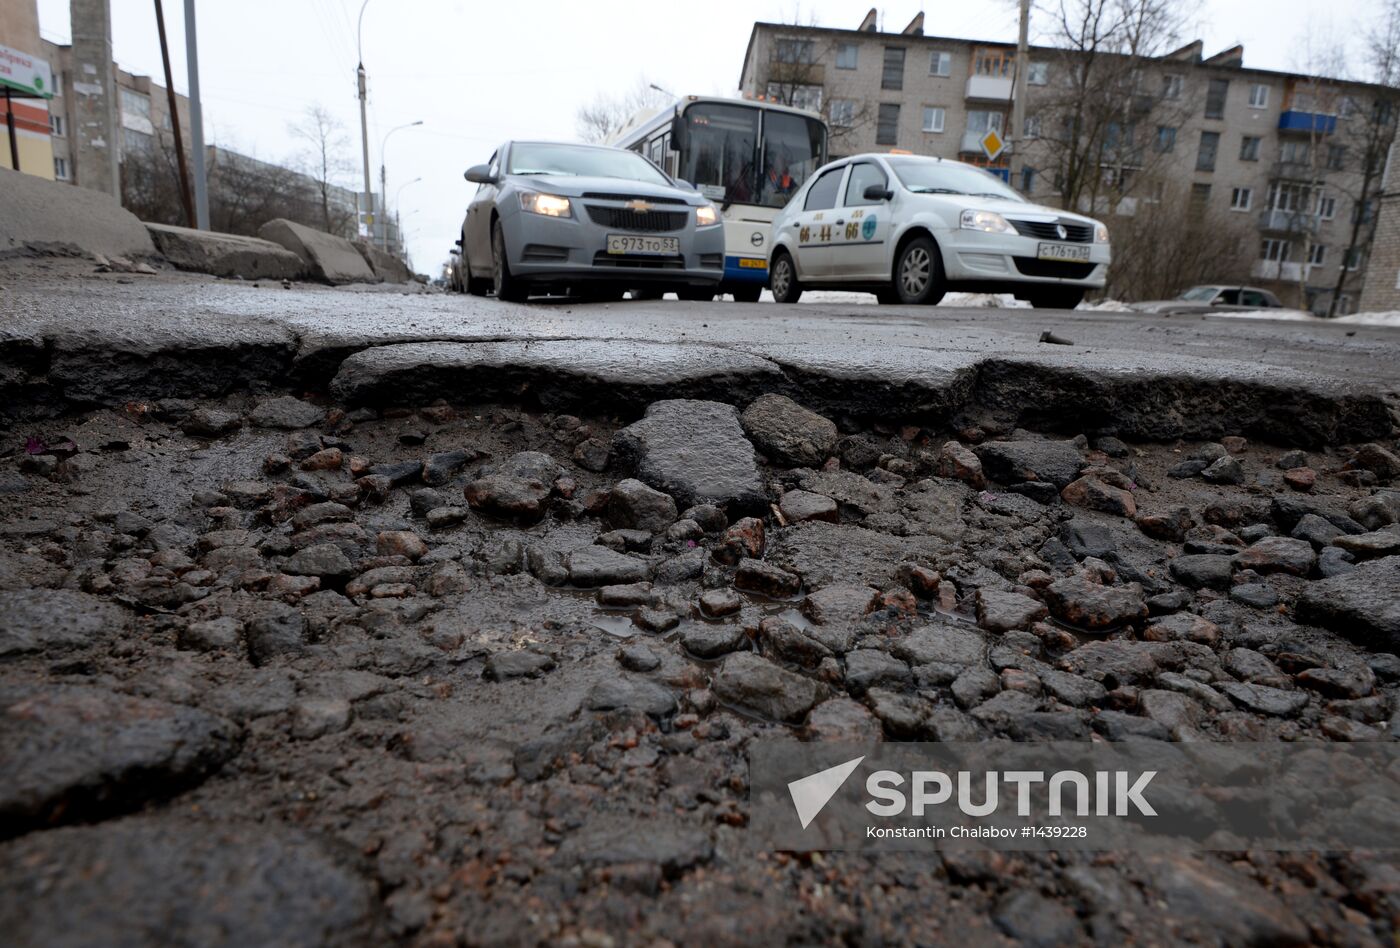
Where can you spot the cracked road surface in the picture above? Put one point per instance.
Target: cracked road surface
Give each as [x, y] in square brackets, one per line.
[353, 617]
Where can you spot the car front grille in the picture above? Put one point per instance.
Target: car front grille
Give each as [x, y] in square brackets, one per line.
[627, 219]
[608, 196]
[1048, 230]
[1053, 269]
[622, 262]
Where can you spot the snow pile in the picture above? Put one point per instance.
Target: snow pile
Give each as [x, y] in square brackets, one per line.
[1391, 318]
[1290, 315]
[980, 300]
[1107, 306]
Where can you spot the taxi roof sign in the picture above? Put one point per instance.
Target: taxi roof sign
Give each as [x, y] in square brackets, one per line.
[992, 144]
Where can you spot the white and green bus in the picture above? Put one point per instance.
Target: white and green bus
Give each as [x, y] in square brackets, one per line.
[748, 156]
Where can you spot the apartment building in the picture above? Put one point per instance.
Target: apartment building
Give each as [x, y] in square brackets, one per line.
[1278, 149]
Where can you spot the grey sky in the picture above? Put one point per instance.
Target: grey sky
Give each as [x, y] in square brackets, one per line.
[478, 73]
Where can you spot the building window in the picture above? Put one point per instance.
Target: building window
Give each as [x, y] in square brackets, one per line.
[982, 122]
[1171, 86]
[940, 62]
[1275, 251]
[56, 125]
[1353, 259]
[1032, 129]
[797, 95]
[1205, 157]
[1200, 197]
[1038, 74]
[1317, 253]
[846, 55]
[1166, 138]
[1336, 157]
[134, 103]
[1249, 148]
[1295, 152]
[1286, 196]
[1258, 96]
[892, 76]
[60, 169]
[1326, 206]
[1241, 199]
[793, 51]
[135, 142]
[993, 62]
[843, 113]
[1027, 180]
[933, 119]
[887, 127]
[1215, 98]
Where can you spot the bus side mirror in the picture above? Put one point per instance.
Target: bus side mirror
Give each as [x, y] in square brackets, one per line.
[876, 192]
[678, 131]
[479, 174]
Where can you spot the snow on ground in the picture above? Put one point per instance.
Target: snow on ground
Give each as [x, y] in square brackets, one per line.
[1290, 315]
[1391, 318]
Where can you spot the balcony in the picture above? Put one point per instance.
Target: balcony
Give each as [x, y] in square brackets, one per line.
[990, 88]
[1288, 222]
[1277, 270]
[1309, 123]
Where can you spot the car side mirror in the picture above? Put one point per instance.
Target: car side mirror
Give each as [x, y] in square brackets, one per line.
[877, 192]
[479, 174]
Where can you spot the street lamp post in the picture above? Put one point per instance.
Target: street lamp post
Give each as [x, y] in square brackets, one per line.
[398, 225]
[364, 124]
[384, 179]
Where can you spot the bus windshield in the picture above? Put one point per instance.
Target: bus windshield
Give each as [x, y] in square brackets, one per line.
[725, 159]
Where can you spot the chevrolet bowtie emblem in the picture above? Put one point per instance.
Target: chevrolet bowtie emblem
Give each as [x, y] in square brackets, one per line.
[641, 207]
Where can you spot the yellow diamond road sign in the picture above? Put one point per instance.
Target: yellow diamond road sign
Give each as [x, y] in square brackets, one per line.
[992, 144]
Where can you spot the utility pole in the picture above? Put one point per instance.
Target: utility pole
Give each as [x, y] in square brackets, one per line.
[186, 195]
[201, 191]
[1018, 94]
[364, 124]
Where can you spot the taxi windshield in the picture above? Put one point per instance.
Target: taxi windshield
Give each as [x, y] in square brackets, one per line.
[925, 176]
[1200, 294]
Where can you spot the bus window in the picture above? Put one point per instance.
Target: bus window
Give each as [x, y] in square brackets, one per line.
[721, 141]
[792, 150]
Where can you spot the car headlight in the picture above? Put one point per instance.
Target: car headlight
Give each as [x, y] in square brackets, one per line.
[707, 215]
[1100, 233]
[988, 222]
[550, 205]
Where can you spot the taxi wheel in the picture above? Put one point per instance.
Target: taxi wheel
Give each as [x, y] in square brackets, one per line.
[1058, 298]
[747, 294]
[918, 273]
[782, 279]
[507, 287]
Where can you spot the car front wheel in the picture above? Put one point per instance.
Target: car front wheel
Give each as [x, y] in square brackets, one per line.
[507, 287]
[1066, 297]
[918, 273]
[782, 279]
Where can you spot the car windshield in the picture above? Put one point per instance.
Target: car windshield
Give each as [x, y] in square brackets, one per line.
[924, 176]
[582, 160]
[1201, 294]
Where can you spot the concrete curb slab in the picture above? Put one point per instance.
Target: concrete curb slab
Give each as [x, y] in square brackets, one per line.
[225, 255]
[45, 216]
[387, 267]
[327, 257]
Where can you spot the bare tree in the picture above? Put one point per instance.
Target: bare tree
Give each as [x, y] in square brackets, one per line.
[1094, 116]
[601, 119]
[1371, 130]
[324, 156]
[1169, 243]
[799, 73]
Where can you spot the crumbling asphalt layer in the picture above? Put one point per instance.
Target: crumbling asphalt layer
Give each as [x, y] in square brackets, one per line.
[423, 656]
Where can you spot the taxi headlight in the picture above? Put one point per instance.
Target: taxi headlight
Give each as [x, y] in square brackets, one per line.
[549, 205]
[988, 222]
[707, 215]
[1100, 233]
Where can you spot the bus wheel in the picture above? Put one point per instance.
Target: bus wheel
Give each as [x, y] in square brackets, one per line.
[782, 279]
[747, 294]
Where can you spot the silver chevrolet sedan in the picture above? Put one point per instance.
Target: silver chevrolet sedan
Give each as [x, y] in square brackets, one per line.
[587, 220]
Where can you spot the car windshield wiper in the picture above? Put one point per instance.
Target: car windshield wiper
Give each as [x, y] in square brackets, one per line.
[936, 191]
[565, 173]
[989, 194]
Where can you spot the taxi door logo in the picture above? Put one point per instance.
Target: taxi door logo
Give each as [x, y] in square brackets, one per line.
[867, 227]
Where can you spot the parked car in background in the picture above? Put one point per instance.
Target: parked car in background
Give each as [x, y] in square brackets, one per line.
[910, 228]
[1201, 299]
[587, 220]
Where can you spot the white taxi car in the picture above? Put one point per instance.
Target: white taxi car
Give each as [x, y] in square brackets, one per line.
[910, 228]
